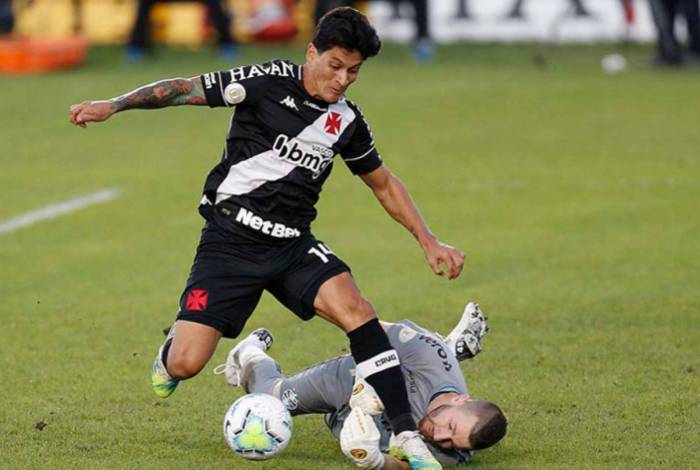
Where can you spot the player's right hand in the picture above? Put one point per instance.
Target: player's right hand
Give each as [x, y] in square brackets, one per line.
[365, 398]
[438, 253]
[90, 111]
[359, 440]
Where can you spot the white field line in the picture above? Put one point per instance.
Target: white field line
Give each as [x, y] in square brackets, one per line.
[55, 210]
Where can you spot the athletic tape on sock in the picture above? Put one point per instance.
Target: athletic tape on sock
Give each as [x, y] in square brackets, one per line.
[378, 363]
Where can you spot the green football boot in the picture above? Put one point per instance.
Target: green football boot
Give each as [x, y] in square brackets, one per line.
[163, 384]
[409, 446]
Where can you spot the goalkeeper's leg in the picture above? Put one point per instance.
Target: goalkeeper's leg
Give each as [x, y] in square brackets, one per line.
[322, 388]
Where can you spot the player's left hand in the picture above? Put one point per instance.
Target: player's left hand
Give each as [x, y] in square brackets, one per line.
[438, 254]
[359, 440]
[90, 111]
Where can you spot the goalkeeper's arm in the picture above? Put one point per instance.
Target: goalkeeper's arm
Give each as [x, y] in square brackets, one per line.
[171, 92]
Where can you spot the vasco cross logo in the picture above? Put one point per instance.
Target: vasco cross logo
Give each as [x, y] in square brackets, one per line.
[290, 103]
[197, 300]
[333, 122]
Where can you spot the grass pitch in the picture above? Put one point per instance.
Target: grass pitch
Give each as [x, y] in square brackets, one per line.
[573, 193]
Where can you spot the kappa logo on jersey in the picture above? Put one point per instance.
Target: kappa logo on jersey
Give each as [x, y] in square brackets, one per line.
[290, 103]
[333, 122]
[315, 158]
[197, 300]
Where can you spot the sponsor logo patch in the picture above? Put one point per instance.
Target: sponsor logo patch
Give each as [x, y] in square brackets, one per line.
[407, 334]
[314, 106]
[234, 93]
[197, 300]
[357, 389]
[290, 399]
[274, 229]
[314, 157]
[209, 80]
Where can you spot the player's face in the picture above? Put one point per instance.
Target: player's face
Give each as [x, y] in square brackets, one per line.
[328, 74]
[448, 426]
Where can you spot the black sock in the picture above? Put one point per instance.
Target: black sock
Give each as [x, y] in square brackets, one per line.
[166, 350]
[378, 364]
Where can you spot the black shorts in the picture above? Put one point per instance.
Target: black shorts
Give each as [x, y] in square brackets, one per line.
[230, 272]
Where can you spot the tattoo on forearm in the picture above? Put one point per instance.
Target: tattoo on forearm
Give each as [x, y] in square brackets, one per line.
[173, 92]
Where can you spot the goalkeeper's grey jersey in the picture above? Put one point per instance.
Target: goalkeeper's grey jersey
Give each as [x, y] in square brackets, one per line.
[427, 364]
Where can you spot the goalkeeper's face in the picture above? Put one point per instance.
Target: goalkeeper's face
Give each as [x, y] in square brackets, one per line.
[448, 426]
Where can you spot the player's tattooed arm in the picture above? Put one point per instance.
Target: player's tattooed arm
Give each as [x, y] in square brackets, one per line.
[171, 92]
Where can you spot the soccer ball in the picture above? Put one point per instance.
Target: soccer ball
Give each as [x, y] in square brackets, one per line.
[257, 426]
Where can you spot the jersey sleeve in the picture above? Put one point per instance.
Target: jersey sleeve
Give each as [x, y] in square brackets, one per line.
[242, 86]
[360, 154]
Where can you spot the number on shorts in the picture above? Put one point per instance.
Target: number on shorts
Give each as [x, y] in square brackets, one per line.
[321, 252]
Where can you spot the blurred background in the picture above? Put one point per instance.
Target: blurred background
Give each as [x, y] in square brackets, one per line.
[71, 25]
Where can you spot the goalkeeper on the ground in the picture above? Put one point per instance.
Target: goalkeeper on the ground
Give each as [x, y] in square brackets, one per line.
[452, 423]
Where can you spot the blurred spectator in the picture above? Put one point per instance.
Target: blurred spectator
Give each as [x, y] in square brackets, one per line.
[578, 9]
[669, 51]
[6, 19]
[140, 41]
[462, 10]
[423, 47]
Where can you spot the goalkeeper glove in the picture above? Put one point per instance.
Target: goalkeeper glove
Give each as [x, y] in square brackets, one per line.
[365, 398]
[359, 440]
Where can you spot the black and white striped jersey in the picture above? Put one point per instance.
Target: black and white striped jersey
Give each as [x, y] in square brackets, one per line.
[279, 150]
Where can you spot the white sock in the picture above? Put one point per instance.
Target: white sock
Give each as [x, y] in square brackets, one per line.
[248, 353]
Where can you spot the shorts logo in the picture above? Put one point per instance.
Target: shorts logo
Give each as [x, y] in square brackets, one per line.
[197, 300]
[290, 399]
[333, 122]
[358, 454]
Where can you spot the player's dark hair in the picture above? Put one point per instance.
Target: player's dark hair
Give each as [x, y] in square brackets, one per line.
[349, 29]
[491, 424]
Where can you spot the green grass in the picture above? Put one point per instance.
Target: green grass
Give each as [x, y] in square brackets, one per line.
[574, 194]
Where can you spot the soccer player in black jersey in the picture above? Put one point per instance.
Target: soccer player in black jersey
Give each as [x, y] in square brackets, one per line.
[289, 123]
